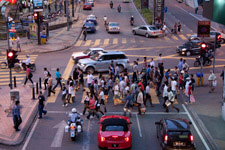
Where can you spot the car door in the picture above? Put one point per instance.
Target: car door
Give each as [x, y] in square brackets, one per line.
[144, 30]
[103, 63]
[196, 47]
[138, 31]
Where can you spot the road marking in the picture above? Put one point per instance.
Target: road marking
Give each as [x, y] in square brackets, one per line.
[13, 73]
[7, 79]
[115, 41]
[174, 37]
[139, 127]
[188, 35]
[52, 98]
[143, 48]
[87, 43]
[58, 138]
[141, 56]
[139, 13]
[79, 42]
[106, 42]
[182, 37]
[155, 99]
[30, 135]
[16, 75]
[132, 40]
[124, 40]
[166, 38]
[196, 128]
[7, 83]
[97, 42]
[86, 141]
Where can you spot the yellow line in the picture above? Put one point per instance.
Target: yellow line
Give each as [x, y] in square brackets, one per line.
[7, 79]
[155, 99]
[79, 43]
[143, 48]
[97, 42]
[106, 42]
[141, 56]
[166, 38]
[87, 43]
[182, 37]
[115, 41]
[7, 83]
[124, 40]
[59, 33]
[18, 75]
[132, 40]
[174, 37]
[53, 97]
[188, 35]
[13, 73]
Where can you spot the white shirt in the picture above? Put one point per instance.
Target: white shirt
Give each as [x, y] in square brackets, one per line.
[135, 68]
[18, 40]
[127, 88]
[89, 78]
[152, 63]
[160, 60]
[46, 74]
[70, 89]
[27, 61]
[116, 89]
[122, 85]
[173, 85]
[164, 27]
[147, 89]
[102, 83]
[102, 95]
[165, 92]
[170, 96]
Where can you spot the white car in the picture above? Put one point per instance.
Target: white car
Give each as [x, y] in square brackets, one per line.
[147, 31]
[113, 27]
[126, 1]
[86, 54]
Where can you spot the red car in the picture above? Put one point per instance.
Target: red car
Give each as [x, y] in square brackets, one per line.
[115, 132]
[87, 6]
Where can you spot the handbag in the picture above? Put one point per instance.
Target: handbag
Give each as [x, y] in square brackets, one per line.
[168, 103]
[192, 99]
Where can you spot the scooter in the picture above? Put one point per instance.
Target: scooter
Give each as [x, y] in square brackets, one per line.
[119, 9]
[199, 59]
[74, 128]
[132, 22]
[22, 67]
[111, 5]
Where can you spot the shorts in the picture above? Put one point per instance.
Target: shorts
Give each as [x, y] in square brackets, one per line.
[18, 45]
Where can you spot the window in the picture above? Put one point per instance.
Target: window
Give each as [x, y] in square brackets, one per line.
[180, 135]
[115, 128]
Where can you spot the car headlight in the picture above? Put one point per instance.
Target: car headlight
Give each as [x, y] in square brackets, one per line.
[183, 49]
[83, 65]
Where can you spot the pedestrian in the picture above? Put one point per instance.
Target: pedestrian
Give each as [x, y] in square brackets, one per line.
[89, 79]
[102, 98]
[181, 81]
[144, 67]
[29, 75]
[18, 42]
[160, 60]
[175, 28]
[152, 63]
[222, 74]
[188, 81]
[45, 78]
[171, 99]
[117, 71]
[179, 27]
[86, 102]
[50, 85]
[122, 86]
[92, 108]
[58, 79]
[85, 33]
[180, 64]
[41, 105]
[161, 70]
[158, 84]
[64, 94]
[189, 94]
[106, 92]
[192, 81]
[148, 96]
[98, 105]
[17, 120]
[135, 71]
[212, 81]
[116, 99]
[10, 43]
[128, 104]
[75, 76]
[185, 65]
[71, 93]
[164, 29]
[174, 86]
[140, 99]
[165, 93]
[81, 80]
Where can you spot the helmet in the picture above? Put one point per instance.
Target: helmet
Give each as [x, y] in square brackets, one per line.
[28, 55]
[74, 110]
[132, 16]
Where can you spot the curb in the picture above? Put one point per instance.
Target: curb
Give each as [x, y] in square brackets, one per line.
[210, 141]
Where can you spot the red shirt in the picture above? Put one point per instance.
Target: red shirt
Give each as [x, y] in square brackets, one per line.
[142, 86]
[92, 103]
[181, 79]
[189, 89]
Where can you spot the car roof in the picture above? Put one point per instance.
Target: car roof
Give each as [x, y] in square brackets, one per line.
[113, 22]
[177, 124]
[111, 53]
[93, 49]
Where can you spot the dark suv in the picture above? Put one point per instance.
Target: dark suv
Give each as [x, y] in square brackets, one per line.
[175, 134]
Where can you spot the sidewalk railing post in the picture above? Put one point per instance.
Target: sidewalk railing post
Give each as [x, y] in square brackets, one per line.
[33, 93]
[37, 88]
[14, 79]
[40, 83]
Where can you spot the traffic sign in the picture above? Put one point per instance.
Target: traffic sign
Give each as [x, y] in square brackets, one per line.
[12, 30]
[204, 28]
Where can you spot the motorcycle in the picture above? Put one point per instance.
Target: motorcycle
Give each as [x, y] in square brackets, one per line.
[74, 128]
[22, 67]
[119, 9]
[199, 59]
[111, 5]
[132, 22]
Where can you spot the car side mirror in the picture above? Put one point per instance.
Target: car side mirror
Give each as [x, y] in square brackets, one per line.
[157, 123]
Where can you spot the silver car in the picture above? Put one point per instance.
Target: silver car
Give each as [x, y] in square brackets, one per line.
[210, 39]
[100, 62]
[113, 27]
[147, 31]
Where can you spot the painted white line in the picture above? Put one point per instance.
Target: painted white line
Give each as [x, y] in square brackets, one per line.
[195, 16]
[196, 128]
[30, 135]
[182, 9]
[139, 127]
[86, 140]
[139, 14]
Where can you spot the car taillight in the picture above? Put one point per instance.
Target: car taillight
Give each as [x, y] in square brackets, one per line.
[115, 136]
[72, 127]
[127, 139]
[102, 139]
[219, 37]
[153, 32]
[191, 138]
[165, 139]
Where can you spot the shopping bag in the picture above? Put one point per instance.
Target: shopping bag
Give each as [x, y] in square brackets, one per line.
[192, 99]
[168, 103]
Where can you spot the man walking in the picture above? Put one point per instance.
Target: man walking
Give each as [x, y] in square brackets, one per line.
[41, 105]
[45, 78]
[140, 100]
[128, 104]
[58, 79]
[171, 98]
[50, 85]
[29, 75]
[18, 43]
[211, 79]
[148, 96]
[89, 79]
[16, 116]
[85, 33]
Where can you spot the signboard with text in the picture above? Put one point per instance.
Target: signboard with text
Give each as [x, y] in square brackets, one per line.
[38, 5]
[204, 28]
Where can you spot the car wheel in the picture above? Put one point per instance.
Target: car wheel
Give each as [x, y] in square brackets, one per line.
[147, 35]
[90, 69]
[222, 41]
[121, 68]
[196, 64]
[134, 32]
[188, 53]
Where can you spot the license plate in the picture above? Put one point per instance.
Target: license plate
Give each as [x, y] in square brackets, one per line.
[72, 134]
[115, 145]
[178, 144]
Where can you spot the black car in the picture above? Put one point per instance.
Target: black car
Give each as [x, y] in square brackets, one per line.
[90, 27]
[192, 47]
[175, 134]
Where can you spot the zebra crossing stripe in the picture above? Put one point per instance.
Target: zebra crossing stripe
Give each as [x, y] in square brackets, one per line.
[115, 41]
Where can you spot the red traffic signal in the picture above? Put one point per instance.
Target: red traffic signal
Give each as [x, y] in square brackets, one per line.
[35, 16]
[203, 46]
[219, 38]
[10, 54]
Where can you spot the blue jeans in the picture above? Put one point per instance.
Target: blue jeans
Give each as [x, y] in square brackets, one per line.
[41, 110]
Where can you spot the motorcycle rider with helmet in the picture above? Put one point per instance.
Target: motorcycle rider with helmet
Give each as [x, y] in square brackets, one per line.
[119, 8]
[132, 20]
[111, 4]
[26, 62]
[105, 19]
[74, 116]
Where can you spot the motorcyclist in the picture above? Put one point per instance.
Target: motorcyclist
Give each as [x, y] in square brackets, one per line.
[105, 19]
[111, 4]
[119, 8]
[26, 62]
[74, 115]
[132, 18]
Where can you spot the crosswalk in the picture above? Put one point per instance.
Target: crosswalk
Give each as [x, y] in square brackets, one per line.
[118, 41]
[20, 76]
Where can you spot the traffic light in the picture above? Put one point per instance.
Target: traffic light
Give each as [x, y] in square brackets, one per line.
[203, 46]
[218, 40]
[36, 17]
[11, 58]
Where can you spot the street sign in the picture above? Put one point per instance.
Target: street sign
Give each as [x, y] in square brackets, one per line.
[204, 28]
[38, 5]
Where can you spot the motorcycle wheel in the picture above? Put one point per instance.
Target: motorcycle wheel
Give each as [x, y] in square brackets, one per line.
[196, 64]
[209, 63]
[32, 68]
[73, 138]
[17, 68]
[3, 65]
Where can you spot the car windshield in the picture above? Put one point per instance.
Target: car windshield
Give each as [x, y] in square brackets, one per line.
[91, 18]
[114, 128]
[180, 135]
[95, 57]
[89, 24]
[87, 4]
[188, 44]
[87, 51]
[114, 24]
[152, 28]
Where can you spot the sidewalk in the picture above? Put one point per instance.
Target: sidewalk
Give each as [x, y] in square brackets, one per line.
[207, 112]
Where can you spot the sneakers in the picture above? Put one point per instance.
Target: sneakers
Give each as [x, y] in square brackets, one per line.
[45, 113]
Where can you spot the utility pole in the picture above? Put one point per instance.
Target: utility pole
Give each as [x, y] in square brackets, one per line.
[223, 97]
[39, 28]
[72, 8]
[67, 15]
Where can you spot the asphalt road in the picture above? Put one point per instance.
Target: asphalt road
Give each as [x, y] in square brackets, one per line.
[44, 132]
